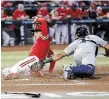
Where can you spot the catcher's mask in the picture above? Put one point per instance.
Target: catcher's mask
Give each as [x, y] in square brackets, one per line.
[81, 31]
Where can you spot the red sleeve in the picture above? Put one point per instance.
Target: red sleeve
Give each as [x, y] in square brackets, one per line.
[102, 14]
[15, 14]
[69, 12]
[25, 13]
[52, 64]
[74, 14]
[58, 11]
[46, 13]
[44, 26]
[3, 3]
[85, 13]
[50, 53]
[38, 12]
[3, 16]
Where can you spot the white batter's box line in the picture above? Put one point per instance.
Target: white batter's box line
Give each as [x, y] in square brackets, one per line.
[93, 94]
[77, 83]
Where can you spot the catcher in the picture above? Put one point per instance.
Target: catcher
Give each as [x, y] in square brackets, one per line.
[39, 51]
[84, 49]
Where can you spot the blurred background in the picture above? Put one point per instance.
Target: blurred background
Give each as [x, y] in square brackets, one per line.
[63, 17]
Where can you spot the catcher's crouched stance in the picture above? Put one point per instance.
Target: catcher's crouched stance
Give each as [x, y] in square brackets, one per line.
[84, 49]
[39, 50]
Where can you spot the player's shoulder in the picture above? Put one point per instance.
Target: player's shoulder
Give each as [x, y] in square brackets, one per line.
[16, 11]
[69, 8]
[93, 37]
[58, 8]
[76, 41]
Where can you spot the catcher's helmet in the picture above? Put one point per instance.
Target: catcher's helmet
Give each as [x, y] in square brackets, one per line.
[81, 31]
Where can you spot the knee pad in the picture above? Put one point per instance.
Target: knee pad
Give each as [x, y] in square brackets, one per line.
[84, 71]
[80, 71]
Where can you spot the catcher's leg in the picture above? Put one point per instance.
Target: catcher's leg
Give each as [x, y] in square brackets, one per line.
[80, 71]
[67, 72]
[84, 71]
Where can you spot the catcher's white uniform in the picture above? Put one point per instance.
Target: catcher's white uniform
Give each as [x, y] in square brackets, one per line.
[84, 52]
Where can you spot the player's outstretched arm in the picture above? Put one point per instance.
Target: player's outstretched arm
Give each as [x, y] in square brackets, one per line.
[106, 46]
[38, 66]
[55, 57]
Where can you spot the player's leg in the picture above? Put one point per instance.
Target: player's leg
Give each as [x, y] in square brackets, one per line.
[22, 66]
[25, 66]
[52, 64]
[58, 34]
[7, 74]
[84, 70]
[68, 72]
[64, 33]
[90, 61]
[73, 31]
[6, 38]
[51, 32]
[87, 67]
[79, 71]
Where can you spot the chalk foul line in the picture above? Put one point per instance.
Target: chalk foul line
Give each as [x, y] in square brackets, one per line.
[78, 83]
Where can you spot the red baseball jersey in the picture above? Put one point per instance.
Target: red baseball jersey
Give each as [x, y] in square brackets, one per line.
[3, 15]
[102, 14]
[61, 12]
[69, 11]
[64, 12]
[3, 3]
[17, 14]
[79, 13]
[41, 47]
[42, 12]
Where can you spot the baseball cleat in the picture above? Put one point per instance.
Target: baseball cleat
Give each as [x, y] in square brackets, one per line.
[5, 72]
[65, 72]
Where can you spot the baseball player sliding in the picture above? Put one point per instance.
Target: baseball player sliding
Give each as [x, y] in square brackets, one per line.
[39, 50]
[84, 50]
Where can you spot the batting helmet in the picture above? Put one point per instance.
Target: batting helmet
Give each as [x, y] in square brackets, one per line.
[81, 31]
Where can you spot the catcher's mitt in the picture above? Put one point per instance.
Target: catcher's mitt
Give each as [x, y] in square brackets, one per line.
[37, 66]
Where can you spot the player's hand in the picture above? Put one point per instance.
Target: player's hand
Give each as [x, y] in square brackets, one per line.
[59, 17]
[35, 19]
[37, 66]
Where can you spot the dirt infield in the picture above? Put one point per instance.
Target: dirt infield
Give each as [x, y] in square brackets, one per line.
[54, 82]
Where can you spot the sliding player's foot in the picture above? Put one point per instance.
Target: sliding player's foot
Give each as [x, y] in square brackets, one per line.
[7, 75]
